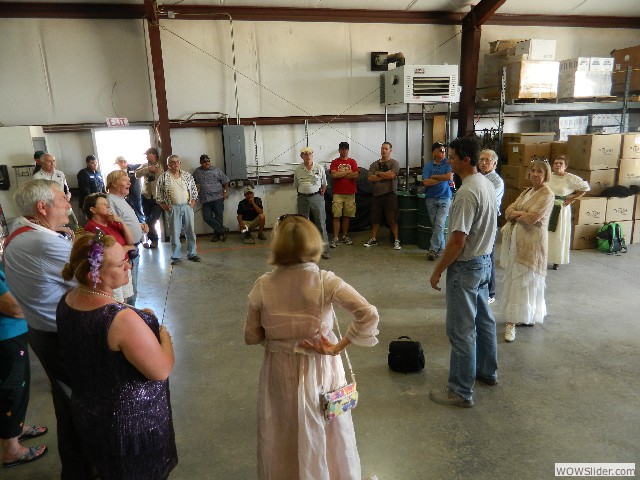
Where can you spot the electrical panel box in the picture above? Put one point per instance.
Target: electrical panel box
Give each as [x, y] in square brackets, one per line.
[235, 161]
[420, 84]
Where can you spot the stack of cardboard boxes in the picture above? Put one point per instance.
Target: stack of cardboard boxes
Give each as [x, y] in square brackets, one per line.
[623, 58]
[565, 126]
[531, 69]
[585, 77]
[602, 160]
[595, 158]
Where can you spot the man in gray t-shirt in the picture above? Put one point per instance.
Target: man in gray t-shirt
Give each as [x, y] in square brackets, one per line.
[470, 324]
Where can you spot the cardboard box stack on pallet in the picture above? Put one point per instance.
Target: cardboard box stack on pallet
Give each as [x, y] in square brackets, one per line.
[565, 126]
[531, 69]
[585, 77]
[623, 58]
[595, 158]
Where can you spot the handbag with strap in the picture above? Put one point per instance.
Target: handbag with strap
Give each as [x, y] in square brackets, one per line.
[405, 355]
[337, 402]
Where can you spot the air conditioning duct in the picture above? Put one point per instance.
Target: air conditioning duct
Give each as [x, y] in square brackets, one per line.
[420, 84]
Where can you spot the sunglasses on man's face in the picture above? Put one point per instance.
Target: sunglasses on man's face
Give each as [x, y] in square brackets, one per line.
[205, 161]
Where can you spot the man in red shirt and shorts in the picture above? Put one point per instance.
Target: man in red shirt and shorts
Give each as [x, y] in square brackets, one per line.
[344, 171]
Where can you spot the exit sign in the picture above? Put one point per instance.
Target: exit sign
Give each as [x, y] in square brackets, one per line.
[117, 122]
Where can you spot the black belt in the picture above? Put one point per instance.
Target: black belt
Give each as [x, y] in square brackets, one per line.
[309, 194]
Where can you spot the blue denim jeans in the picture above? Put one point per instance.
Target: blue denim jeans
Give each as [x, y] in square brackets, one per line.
[135, 266]
[182, 216]
[212, 214]
[438, 209]
[471, 327]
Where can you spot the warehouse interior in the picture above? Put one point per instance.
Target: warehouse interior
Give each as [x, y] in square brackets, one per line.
[300, 73]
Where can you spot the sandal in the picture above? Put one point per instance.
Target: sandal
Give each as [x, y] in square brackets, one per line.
[30, 456]
[32, 432]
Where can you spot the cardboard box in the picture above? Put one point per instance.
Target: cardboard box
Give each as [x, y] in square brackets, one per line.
[605, 119]
[584, 84]
[522, 153]
[594, 152]
[635, 235]
[515, 176]
[583, 237]
[618, 80]
[588, 210]
[580, 64]
[625, 57]
[601, 64]
[598, 180]
[629, 172]
[503, 45]
[537, 49]
[627, 231]
[553, 124]
[510, 196]
[630, 147]
[533, 137]
[532, 79]
[558, 148]
[620, 209]
[564, 133]
[604, 130]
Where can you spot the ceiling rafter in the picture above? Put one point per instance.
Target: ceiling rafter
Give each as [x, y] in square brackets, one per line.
[211, 12]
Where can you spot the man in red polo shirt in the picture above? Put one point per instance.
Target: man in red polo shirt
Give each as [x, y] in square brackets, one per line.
[344, 171]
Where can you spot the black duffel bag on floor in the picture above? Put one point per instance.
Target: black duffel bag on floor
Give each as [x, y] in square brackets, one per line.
[405, 355]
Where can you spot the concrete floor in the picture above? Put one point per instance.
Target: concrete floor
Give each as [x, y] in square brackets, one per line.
[569, 389]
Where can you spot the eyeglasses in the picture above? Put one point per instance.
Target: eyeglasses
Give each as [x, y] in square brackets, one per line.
[282, 217]
[205, 161]
[442, 150]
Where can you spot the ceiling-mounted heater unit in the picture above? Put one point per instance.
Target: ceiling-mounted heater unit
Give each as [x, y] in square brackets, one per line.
[420, 84]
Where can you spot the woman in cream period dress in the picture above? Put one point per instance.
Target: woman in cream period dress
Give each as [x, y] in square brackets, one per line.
[524, 251]
[290, 313]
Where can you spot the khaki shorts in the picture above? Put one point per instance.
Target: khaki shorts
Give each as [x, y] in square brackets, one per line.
[344, 205]
[253, 224]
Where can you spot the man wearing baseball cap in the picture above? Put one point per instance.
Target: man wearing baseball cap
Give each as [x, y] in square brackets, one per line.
[150, 171]
[212, 184]
[251, 214]
[436, 176]
[310, 181]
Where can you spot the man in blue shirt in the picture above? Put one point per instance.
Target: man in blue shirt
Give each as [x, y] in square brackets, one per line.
[212, 186]
[436, 176]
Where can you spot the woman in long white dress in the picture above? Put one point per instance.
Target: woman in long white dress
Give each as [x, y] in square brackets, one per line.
[567, 188]
[290, 313]
[524, 251]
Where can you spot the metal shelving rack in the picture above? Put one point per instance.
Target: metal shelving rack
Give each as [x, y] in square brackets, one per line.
[502, 109]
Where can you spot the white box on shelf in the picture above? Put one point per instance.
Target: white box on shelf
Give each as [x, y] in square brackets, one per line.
[537, 49]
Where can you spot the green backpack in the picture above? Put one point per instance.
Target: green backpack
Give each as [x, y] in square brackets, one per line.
[610, 238]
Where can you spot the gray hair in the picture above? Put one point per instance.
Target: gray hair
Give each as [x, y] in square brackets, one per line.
[493, 156]
[32, 192]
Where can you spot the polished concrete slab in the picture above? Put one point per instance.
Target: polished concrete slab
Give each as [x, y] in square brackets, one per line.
[568, 392]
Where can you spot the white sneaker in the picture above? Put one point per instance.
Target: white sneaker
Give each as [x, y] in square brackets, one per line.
[372, 242]
[334, 243]
[396, 245]
[510, 333]
[491, 300]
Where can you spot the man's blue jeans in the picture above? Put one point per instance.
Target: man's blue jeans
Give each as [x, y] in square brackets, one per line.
[182, 216]
[471, 327]
[212, 214]
[438, 209]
